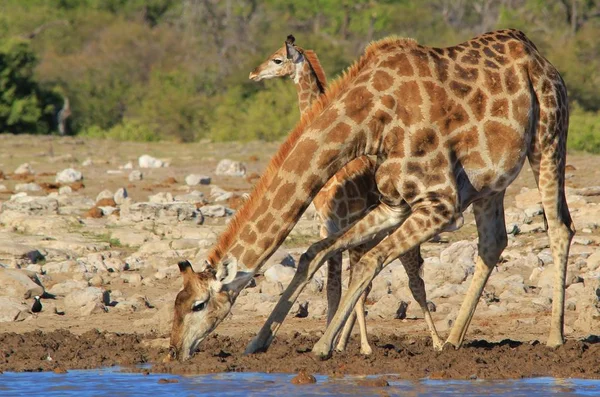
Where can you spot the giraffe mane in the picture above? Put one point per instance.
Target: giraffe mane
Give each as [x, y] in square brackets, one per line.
[315, 65]
[247, 210]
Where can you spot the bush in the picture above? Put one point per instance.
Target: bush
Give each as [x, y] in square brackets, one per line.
[584, 130]
[24, 106]
[126, 131]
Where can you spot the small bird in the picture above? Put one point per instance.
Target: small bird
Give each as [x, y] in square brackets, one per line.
[37, 305]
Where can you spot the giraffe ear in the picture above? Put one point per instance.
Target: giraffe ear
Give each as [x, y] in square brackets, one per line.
[291, 51]
[227, 271]
[185, 267]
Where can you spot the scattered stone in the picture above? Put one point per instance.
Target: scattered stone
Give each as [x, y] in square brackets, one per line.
[120, 195]
[147, 161]
[10, 308]
[280, 273]
[94, 212]
[64, 190]
[105, 194]
[24, 169]
[388, 307]
[28, 187]
[31, 205]
[192, 197]
[196, 179]
[68, 175]
[127, 166]
[82, 297]
[231, 168]
[303, 378]
[18, 283]
[215, 211]
[161, 198]
[87, 162]
[135, 175]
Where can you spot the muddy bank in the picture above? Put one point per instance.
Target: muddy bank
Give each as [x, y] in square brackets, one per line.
[403, 357]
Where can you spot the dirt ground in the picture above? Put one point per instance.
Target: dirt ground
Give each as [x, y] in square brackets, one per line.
[495, 348]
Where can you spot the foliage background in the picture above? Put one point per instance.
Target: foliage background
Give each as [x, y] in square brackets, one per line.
[177, 69]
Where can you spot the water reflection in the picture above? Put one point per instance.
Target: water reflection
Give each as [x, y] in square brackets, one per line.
[111, 382]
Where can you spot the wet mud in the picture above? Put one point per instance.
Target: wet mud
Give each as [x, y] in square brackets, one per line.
[398, 357]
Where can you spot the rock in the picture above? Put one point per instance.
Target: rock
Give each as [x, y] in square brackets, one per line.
[32, 205]
[272, 288]
[87, 162]
[127, 166]
[280, 273]
[135, 175]
[215, 211]
[161, 213]
[19, 284]
[66, 287]
[132, 238]
[10, 308]
[593, 261]
[588, 306]
[120, 195]
[28, 187]
[24, 169]
[69, 266]
[131, 278]
[196, 179]
[303, 378]
[230, 168]
[68, 175]
[455, 264]
[92, 308]
[161, 198]
[192, 197]
[105, 194]
[64, 190]
[534, 210]
[81, 298]
[147, 161]
[388, 307]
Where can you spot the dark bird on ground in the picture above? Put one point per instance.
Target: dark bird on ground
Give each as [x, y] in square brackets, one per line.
[37, 305]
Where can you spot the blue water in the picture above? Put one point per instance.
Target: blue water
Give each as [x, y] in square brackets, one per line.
[111, 382]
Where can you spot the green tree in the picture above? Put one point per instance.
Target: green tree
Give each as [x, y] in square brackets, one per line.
[24, 105]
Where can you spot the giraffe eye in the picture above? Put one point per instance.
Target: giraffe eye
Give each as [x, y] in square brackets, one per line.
[199, 306]
[277, 61]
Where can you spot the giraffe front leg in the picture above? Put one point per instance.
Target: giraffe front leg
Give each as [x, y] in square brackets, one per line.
[372, 226]
[489, 217]
[408, 236]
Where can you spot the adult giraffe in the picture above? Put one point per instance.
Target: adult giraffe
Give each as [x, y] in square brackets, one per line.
[345, 198]
[451, 127]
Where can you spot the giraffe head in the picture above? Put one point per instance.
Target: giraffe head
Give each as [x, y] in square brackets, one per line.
[204, 302]
[281, 63]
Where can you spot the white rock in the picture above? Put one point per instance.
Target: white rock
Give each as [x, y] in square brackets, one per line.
[24, 168]
[10, 308]
[68, 175]
[65, 190]
[69, 266]
[82, 297]
[18, 284]
[87, 162]
[105, 194]
[31, 205]
[588, 306]
[593, 261]
[28, 187]
[455, 264]
[192, 197]
[272, 288]
[131, 278]
[2, 188]
[120, 195]
[230, 168]
[215, 210]
[128, 165]
[386, 307]
[66, 287]
[161, 198]
[280, 273]
[147, 161]
[197, 179]
[135, 175]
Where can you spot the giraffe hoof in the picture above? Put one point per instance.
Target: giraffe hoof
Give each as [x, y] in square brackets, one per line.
[321, 351]
[366, 350]
[438, 346]
[447, 346]
[253, 348]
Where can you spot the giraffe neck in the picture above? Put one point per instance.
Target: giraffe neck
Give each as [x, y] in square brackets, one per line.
[307, 84]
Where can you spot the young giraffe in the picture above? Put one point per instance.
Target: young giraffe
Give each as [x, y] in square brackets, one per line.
[347, 196]
[451, 127]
